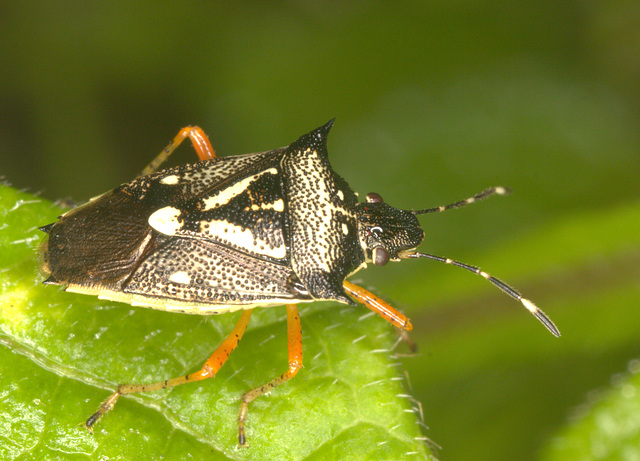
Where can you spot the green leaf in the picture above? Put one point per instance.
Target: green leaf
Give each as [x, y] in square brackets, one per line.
[64, 353]
[606, 429]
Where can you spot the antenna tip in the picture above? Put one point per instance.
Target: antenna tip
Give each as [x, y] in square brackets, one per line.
[530, 306]
[546, 321]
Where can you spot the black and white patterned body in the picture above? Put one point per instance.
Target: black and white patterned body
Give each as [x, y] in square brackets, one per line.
[277, 227]
[216, 236]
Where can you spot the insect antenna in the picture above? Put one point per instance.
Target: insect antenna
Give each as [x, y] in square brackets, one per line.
[546, 321]
[479, 196]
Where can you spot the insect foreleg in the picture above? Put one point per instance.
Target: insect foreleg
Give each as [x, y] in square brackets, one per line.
[377, 305]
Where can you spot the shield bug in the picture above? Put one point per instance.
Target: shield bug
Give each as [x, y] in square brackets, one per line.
[234, 233]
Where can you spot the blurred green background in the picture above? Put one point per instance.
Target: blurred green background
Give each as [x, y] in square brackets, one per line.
[434, 101]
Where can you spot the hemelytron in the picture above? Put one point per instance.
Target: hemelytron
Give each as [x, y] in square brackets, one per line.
[234, 233]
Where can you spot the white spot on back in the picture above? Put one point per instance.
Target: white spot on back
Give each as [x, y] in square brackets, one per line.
[180, 277]
[225, 231]
[225, 195]
[170, 180]
[278, 205]
[165, 220]
[345, 229]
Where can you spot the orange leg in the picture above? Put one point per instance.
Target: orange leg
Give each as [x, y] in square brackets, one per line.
[378, 306]
[200, 143]
[294, 342]
[208, 370]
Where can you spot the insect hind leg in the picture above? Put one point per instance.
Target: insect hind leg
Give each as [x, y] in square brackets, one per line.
[294, 343]
[208, 370]
[200, 143]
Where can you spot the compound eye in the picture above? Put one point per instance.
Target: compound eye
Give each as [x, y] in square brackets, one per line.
[380, 256]
[372, 197]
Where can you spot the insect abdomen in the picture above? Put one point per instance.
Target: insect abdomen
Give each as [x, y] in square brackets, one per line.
[98, 244]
